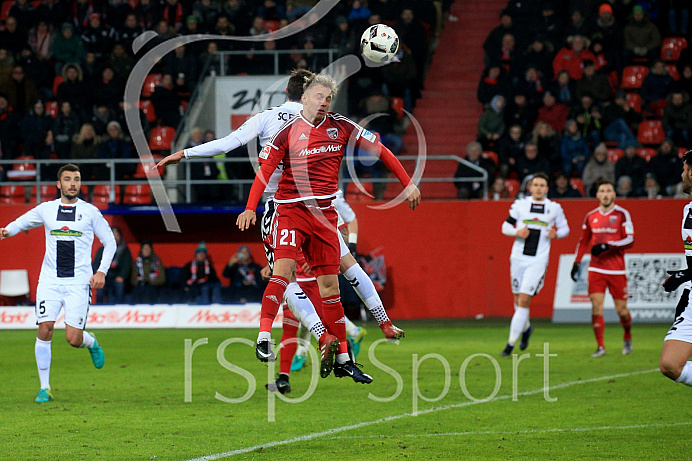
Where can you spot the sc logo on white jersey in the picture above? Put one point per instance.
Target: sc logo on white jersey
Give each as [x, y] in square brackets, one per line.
[284, 116]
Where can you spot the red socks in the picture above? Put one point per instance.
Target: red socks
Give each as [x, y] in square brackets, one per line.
[288, 349]
[271, 300]
[626, 323]
[335, 321]
[598, 328]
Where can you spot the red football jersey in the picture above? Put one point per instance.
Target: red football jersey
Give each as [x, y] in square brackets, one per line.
[311, 156]
[614, 228]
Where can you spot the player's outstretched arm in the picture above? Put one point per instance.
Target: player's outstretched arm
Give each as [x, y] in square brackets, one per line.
[171, 159]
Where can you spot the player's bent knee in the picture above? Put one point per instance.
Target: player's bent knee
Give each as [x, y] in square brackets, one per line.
[670, 369]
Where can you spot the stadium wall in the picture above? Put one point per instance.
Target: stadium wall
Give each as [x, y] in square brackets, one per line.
[446, 259]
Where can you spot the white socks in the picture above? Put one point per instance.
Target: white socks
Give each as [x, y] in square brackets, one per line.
[686, 375]
[360, 281]
[342, 358]
[87, 340]
[302, 307]
[519, 321]
[43, 358]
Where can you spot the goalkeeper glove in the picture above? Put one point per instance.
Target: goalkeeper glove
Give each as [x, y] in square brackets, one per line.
[676, 279]
[596, 250]
[575, 271]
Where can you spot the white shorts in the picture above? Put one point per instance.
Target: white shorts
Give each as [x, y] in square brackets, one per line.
[50, 299]
[344, 247]
[681, 330]
[527, 276]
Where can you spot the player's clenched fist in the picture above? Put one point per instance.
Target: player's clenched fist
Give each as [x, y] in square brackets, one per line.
[4, 233]
[245, 219]
[412, 196]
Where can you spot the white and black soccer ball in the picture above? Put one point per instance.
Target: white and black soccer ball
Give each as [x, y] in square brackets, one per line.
[379, 43]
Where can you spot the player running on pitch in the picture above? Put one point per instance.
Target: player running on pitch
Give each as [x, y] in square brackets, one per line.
[67, 277]
[534, 222]
[608, 230]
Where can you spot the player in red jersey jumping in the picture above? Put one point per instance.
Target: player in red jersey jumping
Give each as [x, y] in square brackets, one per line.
[609, 232]
[311, 146]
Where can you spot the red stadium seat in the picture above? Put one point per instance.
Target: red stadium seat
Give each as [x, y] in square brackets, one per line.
[161, 138]
[615, 154]
[150, 83]
[492, 156]
[512, 186]
[148, 109]
[12, 194]
[52, 108]
[681, 151]
[672, 70]
[57, 80]
[646, 153]
[5, 10]
[271, 25]
[634, 100]
[353, 193]
[650, 132]
[150, 162]
[48, 192]
[633, 76]
[671, 48]
[578, 184]
[103, 191]
[137, 194]
[398, 106]
[22, 171]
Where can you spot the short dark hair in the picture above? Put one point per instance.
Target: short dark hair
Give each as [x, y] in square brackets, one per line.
[294, 88]
[541, 175]
[687, 158]
[605, 182]
[69, 167]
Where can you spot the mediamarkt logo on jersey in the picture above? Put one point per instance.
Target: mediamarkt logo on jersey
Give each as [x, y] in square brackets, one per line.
[317, 150]
[66, 231]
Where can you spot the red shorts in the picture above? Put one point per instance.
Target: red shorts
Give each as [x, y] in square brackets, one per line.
[311, 229]
[616, 283]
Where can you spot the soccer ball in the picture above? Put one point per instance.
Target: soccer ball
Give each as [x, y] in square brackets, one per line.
[379, 43]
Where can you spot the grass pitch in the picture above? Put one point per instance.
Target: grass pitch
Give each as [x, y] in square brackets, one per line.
[572, 407]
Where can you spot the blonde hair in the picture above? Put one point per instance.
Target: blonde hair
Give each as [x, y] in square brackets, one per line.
[320, 79]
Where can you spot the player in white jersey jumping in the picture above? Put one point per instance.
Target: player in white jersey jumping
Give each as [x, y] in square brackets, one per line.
[677, 347]
[67, 277]
[534, 221]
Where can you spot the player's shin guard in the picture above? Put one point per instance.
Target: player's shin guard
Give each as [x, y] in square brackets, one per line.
[516, 327]
[598, 328]
[43, 354]
[271, 300]
[335, 320]
[288, 341]
[626, 323]
[361, 283]
[686, 375]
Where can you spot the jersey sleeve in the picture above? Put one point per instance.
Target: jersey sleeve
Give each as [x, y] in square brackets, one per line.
[627, 233]
[687, 232]
[584, 241]
[561, 223]
[28, 220]
[105, 235]
[509, 225]
[244, 134]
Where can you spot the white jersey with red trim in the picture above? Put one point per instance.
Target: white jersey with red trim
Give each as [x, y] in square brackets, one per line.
[70, 231]
[613, 227]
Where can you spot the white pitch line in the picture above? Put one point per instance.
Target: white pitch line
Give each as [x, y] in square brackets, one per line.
[336, 430]
[533, 431]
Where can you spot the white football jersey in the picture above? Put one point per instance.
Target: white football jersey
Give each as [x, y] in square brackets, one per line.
[539, 217]
[264, 125]
[70, 231]
[343, 209]
[687, 242]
